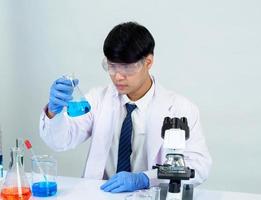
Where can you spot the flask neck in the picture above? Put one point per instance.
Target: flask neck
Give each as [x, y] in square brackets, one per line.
[16, 158]
[77, 94]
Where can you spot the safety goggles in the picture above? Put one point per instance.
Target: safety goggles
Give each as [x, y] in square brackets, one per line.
[122, 68]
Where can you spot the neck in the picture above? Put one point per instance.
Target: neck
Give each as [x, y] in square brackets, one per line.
[140, 92]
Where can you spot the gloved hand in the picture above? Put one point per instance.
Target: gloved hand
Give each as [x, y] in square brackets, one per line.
[126, 182]
[60, 94]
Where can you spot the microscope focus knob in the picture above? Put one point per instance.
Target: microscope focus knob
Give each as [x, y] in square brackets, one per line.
[192, 173]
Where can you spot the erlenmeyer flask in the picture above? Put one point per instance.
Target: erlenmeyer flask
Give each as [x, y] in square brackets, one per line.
[78, 105]
[16, 186]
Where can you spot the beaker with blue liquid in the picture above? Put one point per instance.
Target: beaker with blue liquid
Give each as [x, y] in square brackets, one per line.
[44, 172]
[78, 105]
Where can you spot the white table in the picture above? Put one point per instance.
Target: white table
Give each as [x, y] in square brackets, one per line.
[83, 189]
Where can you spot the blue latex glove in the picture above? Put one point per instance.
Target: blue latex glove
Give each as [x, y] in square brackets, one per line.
[126, 182]
[60, 94]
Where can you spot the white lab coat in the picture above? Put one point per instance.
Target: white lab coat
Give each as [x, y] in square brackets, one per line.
[63, 132]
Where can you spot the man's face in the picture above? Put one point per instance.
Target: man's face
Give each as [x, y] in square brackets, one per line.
[136, 84]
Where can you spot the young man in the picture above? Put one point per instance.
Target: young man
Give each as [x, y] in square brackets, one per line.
[126, 117]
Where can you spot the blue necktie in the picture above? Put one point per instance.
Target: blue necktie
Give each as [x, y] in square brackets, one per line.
[125, 151]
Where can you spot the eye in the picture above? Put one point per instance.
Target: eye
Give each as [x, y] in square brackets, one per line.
[128, 67]
[111, 65]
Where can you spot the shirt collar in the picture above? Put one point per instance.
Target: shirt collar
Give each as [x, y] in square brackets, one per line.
[143, 102]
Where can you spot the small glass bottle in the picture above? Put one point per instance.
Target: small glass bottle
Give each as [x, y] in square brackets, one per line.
[16, 186]
[78, 105]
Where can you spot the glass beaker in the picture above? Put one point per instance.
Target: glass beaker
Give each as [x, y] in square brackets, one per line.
[155, 192]
[139, 195]
[78, 105]
[44, 171]
[16, 186]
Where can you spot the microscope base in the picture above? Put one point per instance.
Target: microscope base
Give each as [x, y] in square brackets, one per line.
[187, 191]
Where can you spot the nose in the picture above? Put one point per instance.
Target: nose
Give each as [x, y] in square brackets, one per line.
[118, 76]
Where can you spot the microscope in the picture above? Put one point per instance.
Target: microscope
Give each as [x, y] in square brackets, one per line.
[175, 132]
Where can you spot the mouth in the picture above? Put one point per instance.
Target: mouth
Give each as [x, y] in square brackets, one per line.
[120, 86]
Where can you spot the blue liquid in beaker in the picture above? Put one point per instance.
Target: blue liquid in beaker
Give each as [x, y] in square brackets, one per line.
[78, 108]
[44, 189]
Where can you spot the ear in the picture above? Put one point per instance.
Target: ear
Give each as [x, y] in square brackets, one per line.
[149, 61]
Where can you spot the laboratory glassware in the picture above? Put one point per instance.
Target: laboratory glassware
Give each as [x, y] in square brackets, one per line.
[155, 192]
[18, 144]
[44, 172]
[140, 195]
[78, 105]
[16, 185]
[1, 154]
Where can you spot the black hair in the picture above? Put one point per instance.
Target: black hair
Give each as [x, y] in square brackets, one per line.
[128, 42]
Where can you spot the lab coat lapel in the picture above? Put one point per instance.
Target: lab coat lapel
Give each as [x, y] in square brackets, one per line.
[159, 109]
[102, 136]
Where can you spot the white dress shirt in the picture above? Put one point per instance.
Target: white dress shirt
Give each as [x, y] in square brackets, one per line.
[139, 154]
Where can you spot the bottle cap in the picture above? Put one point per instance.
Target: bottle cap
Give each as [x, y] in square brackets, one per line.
[28, 144]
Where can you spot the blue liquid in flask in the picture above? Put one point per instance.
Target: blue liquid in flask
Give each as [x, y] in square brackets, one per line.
[78, 108]
[44, 189]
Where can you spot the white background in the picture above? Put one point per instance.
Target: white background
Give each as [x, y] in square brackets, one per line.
[209, 51]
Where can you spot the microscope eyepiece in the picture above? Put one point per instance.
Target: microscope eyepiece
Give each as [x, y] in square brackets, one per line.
[176, 123]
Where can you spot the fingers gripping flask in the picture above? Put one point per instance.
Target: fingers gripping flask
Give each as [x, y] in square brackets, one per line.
[78, 105]
[16, 186]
